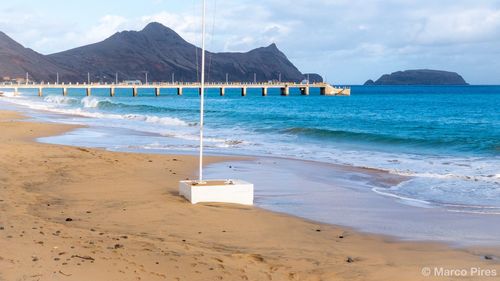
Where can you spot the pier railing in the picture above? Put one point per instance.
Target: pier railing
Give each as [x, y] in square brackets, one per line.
[284, 87]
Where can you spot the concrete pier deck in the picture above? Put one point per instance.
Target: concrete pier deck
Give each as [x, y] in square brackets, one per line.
[324, 88]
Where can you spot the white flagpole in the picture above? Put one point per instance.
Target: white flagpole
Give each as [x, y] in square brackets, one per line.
[202, 89]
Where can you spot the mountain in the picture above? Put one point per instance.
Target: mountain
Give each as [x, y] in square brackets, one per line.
[16, 60]
[160, 51]
[313, 77]
[419, 77]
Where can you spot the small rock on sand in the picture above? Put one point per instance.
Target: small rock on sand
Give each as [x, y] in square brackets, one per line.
[69, 219]
[349, 260]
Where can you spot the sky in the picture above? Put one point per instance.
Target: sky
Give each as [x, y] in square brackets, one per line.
[346, 41]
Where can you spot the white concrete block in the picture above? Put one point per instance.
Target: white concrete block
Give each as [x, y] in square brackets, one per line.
[223, 191]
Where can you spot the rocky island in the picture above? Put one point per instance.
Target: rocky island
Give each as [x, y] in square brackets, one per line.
[419, 77]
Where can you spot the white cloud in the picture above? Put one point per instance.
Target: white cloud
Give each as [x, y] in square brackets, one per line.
[459, 26]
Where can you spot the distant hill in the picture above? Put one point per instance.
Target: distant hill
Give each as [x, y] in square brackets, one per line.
[156, 49]
[419, 77]
[16, 60]
[161, 51]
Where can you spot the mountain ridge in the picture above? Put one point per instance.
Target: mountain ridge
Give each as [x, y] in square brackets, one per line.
[16, 61]
[161, 51]
[156, 49]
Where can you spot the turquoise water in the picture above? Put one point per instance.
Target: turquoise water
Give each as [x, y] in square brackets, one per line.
[446, 138]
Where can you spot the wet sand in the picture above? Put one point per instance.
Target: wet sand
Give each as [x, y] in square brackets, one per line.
[351, 196]
[69, 213]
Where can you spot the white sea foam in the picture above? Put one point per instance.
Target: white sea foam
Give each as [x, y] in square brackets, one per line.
[59, 104]
[90, 102]
[444, 176]
[9, 94]
[60, 100]
[169, 121]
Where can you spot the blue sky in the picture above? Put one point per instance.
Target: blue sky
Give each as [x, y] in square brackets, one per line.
[346, 41]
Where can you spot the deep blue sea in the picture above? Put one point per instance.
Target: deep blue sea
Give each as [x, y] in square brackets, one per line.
[446, 138]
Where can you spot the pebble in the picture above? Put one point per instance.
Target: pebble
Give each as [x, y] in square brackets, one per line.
[349, 260]
[69, 219]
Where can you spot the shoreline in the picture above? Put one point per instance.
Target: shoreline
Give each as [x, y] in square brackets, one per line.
[127, 222]
[378, 180]
[344, 197]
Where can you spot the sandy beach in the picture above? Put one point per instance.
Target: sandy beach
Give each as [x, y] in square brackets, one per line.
[69, 213]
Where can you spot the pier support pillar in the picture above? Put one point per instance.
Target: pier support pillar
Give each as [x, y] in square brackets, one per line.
[222, 91]
[304, 91]
[285, 91]
[89, 92]
[157, 91]
[243, 91]
[40, 93]
[112, 91]
[179, 91]
[65, 92]
[322, 91]
[134, 91]
[264, 91]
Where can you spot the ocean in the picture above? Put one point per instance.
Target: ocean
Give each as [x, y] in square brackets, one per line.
[444, 139]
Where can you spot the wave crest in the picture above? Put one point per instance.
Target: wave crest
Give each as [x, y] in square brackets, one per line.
[90, 102]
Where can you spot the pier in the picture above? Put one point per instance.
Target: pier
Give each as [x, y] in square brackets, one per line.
[284, 88]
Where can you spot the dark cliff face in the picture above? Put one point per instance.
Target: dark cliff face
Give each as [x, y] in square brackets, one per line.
[419, 77]
[160, 51]
[16, 60]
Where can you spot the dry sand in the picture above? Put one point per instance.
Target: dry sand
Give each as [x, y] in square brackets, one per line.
[70, 213]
